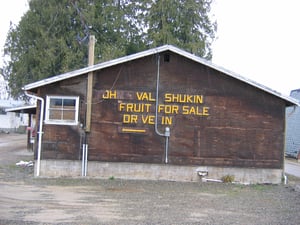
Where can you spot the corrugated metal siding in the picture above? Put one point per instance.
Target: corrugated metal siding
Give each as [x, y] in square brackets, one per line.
[293, 127]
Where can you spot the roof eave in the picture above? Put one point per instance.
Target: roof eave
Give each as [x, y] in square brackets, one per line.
[24, 109]
[289, 101]
[95, 67]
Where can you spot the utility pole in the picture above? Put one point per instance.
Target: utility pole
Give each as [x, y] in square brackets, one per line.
[89, 94]
[92, 41]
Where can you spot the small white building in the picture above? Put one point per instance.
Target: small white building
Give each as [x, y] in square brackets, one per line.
[11, 121]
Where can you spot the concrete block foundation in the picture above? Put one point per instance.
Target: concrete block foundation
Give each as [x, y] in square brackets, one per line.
[142, 171]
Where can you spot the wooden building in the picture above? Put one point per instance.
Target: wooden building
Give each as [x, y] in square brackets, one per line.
[159, 114]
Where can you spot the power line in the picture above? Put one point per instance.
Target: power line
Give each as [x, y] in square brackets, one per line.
[86, 29]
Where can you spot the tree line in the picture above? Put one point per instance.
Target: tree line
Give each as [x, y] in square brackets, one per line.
[52, 37]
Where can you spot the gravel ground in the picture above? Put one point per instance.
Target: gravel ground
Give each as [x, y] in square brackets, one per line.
[28, 200]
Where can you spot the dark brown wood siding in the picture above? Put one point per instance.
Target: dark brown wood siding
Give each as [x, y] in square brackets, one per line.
[64, 141]
[214, 119]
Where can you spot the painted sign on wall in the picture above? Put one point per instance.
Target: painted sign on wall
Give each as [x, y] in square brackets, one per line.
[140, 110]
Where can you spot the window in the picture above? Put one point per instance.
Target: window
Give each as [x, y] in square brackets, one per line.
[2, 111]
[62, 110]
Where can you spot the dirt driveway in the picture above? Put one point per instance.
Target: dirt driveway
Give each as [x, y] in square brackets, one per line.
[28, 200]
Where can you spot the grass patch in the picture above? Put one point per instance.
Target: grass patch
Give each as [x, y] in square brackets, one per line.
[261, 187]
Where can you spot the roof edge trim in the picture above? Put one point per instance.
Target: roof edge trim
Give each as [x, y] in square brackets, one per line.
[152, 51]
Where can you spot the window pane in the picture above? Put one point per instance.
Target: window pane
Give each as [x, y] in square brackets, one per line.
[69, 102]
[55, 114]
[69, 115]
[55, 103]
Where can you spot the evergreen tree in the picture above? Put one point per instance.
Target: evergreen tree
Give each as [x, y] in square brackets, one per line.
[52, 37]
[183, 23]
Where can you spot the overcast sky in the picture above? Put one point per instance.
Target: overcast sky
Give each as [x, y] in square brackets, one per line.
[258, 39]
[10, 11]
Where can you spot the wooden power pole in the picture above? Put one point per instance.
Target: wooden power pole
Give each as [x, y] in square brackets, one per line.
[92, 41]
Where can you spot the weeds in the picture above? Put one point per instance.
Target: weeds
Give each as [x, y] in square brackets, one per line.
[227, 178]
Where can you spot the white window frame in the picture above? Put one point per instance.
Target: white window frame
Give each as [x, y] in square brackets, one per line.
[57, 121]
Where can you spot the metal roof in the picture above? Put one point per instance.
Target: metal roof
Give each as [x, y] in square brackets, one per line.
[29, 109]
[289, 100]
